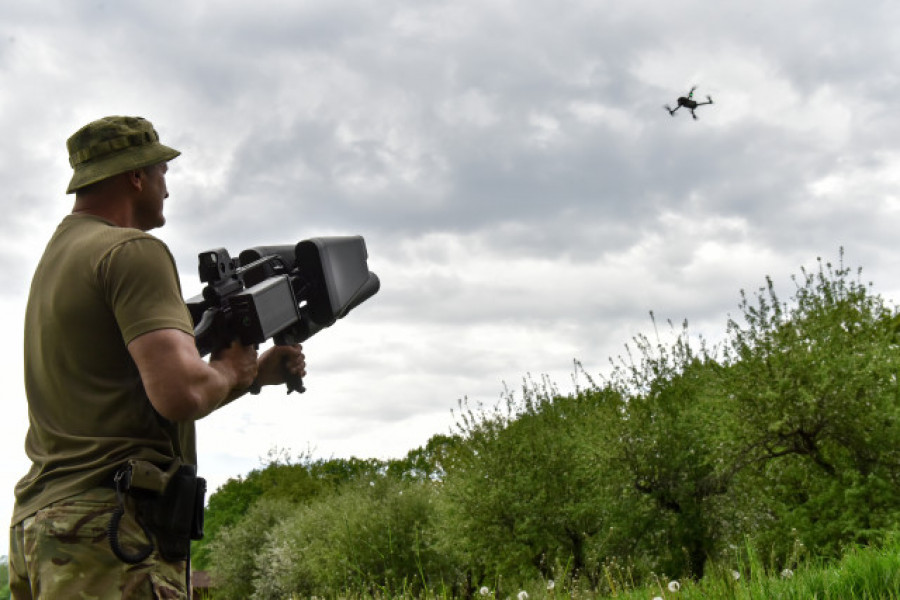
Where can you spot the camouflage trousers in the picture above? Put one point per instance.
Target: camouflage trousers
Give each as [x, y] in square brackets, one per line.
[62, 551]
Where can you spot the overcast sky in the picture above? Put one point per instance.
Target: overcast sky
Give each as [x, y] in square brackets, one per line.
[525, 198]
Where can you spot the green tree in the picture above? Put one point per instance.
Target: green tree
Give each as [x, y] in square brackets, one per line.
[296, 481]
[366, 539]
[429, 462]
[4, 578]
[337, 472]
[679, 448]
[815, 383]
[280, 478]
[234, 551]
[529, 491]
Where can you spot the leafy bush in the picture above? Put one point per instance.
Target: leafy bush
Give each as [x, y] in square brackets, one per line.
[234, 552]
[360, 541]
[296, 481]
[4, 578]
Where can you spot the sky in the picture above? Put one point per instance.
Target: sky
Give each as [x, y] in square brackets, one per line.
[525, 198]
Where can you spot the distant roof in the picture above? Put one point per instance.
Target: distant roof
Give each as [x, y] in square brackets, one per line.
[200, 579]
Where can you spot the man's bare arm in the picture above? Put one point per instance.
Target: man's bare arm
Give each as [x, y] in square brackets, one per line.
[180, 384]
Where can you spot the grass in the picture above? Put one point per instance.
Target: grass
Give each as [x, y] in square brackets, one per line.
[861, 574]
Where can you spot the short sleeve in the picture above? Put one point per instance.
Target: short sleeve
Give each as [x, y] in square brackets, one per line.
[141, 285]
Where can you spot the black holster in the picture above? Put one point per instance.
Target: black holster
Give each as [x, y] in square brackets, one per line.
[176, 516]
[169, 508]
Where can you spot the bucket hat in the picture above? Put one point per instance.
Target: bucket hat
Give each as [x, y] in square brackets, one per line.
[113, 145]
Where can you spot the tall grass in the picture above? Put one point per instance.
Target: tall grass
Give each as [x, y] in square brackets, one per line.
[862, 574]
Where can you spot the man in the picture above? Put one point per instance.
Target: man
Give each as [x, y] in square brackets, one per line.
[113, 380]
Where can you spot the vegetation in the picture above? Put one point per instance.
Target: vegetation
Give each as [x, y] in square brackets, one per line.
[777, 451]
[4, 578]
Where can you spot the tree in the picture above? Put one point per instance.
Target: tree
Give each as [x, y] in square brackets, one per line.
[429, 462]
[281, 478]
[4, 578]
[234, 552]
[678, 445]
[815, 381]
[527, 492]
[366, 539]
[296, 481]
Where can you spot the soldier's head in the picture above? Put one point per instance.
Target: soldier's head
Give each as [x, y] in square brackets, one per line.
[111, 146]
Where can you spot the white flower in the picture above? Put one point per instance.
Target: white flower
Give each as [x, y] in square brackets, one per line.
[735, 575]
[551, 584]
[787, 573]
[674, 586]
[657, 598]
[484, 591]
[523, 595]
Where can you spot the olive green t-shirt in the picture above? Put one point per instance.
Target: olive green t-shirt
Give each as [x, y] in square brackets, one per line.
[96, 288]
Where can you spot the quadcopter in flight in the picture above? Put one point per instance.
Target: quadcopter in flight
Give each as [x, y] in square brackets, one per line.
[689, 103]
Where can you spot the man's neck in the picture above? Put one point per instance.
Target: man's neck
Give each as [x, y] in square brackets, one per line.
[116, 211]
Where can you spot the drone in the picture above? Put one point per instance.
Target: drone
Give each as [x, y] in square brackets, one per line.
[689, 103]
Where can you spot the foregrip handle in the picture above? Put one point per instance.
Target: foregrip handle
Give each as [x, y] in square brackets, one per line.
[294, 382]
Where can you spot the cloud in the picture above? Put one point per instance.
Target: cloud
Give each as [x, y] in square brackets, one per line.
[525, 199]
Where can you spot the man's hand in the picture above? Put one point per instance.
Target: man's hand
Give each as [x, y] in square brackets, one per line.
[274, 362]
[237, 363]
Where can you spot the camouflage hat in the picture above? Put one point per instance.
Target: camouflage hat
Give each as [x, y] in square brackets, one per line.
[113, 145]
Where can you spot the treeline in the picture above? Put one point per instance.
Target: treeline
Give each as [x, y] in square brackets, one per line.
[4, 578]
[782, 440]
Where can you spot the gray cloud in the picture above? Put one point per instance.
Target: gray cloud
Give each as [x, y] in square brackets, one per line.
[524, 196]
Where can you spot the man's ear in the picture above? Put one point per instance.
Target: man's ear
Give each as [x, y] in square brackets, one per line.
[136, 179]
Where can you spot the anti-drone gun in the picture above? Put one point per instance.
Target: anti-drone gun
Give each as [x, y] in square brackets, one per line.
[285, 293]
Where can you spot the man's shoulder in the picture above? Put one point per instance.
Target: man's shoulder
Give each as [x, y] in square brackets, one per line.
[93, 236]
[103, 229]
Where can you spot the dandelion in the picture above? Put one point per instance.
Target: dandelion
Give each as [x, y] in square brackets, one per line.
[484, 591]
[674, 586]
[735, 575]
[523, 595]
[787, 574]
[551, 584]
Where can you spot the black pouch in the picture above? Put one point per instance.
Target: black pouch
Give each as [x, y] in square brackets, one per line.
[176, 516]
[169, 508]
